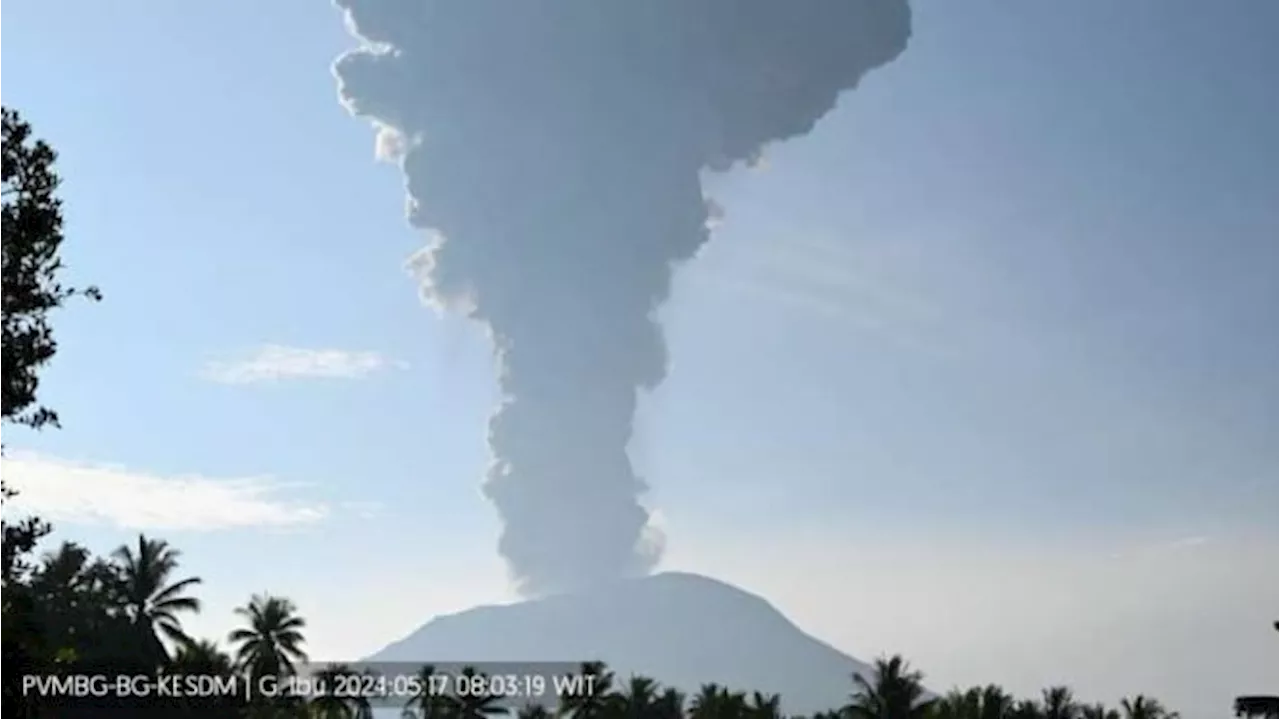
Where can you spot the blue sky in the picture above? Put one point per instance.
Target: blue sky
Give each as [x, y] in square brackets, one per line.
[981, 370]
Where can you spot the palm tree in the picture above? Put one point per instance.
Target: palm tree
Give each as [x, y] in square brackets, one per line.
[670, 705]
[361, 705]
[716, 702]
[994, 703]
[1143, 707]
[638, 699]
[1098, 711]
[472, 704]
[895, 692]
[64, 565]
[204, 658]
[593, 704]
[335, 700]
[1026, 709]
[764, 706]
[1059, 703]
[427, 703]
[706, 703]
[733, 704]
[272, 643]
[69, 609]
[59, 588]
[533, 711]
[201, 657]
[151, 602]
[959, 704]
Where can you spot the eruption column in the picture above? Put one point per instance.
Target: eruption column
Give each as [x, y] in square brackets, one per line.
[555, 146]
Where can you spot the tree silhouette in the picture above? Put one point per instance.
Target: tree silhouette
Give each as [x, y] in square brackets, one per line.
[427, 702]
[764, 706]
[958, 704]
[1026, 709]
[78, 606]
[30, 264]
[24, 642]
[32, 230]
[716, 702]
[533, 711]
[894, 692]
[1098, 711]
[637, 700]
[335, 700]
[994, 703]
[470, 698]
[670, 705]
[151, 602]
[1059, 703]
[204, 658]
[1144, 707]
[272, 643]
[593, 704]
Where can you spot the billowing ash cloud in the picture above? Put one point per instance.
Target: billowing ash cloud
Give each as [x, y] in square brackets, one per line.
[556, 146]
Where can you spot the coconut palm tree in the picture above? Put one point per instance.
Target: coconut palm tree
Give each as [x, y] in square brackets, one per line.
[637, 699]
[894, 692]
[1059, 703]
[706, 704]
[65, 611]
[533, 711]
[64, 566]
[1098, 711]
[994, 703]
[1026, 709]
[670, 705]
[593, 704]
[272, 643]
[205, 659]
[764, 706]
[958, 704]
[151, 601]
[427, 702]
[64, 601]
[1144, 707]
[201, 657]
[470, 703]
[335, 700]
[716, 702]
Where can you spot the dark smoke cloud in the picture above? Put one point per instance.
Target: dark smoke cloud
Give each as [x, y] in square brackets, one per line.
[556, 145]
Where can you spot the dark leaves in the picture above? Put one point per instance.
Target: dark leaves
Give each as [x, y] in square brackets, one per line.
[32, 238]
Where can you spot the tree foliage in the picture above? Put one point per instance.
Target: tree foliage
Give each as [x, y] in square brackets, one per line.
[32, 232]
[30, 241]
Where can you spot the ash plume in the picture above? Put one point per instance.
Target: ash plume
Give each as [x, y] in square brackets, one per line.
[554, 147]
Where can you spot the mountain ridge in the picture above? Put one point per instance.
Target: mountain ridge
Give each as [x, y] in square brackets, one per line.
[681, 629]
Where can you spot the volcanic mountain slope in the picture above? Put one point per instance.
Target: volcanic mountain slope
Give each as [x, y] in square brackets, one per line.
[681, 629]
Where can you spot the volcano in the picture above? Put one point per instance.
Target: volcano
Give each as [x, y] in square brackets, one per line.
[681, 629]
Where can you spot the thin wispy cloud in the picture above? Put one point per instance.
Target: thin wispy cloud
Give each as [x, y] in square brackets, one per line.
[272, 363]
[1178, 544]
[96, 493]
[854, 287]
[1185, 542]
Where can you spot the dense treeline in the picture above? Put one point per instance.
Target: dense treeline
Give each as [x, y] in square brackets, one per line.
[70, 614]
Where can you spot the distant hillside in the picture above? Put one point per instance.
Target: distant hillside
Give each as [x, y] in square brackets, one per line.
[682, 629]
